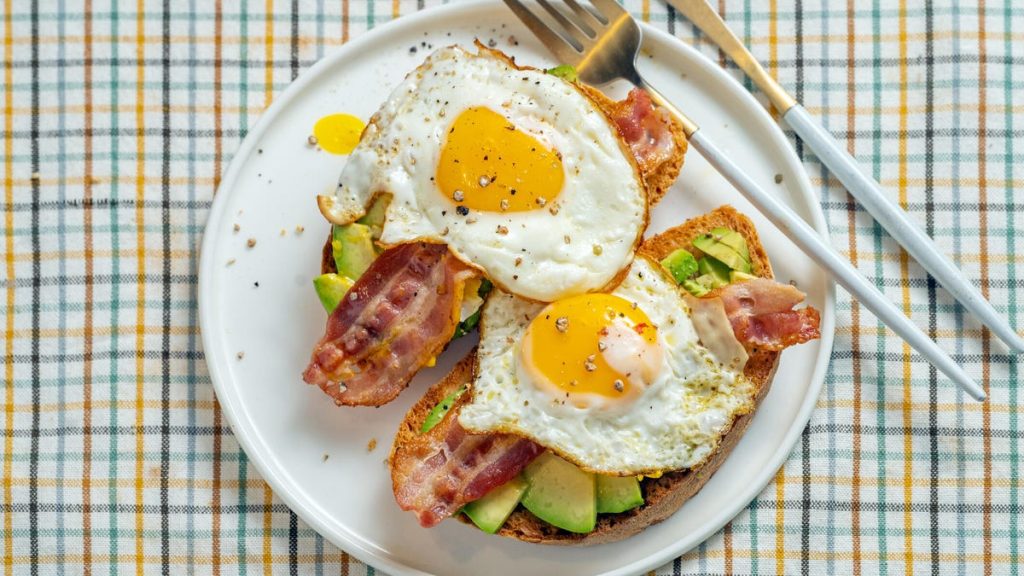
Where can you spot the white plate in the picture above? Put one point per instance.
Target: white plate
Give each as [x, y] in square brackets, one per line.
[287, 427]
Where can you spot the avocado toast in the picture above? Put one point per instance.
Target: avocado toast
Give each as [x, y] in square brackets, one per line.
[599, 508]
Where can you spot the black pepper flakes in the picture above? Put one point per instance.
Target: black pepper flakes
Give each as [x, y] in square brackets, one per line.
[461, 210]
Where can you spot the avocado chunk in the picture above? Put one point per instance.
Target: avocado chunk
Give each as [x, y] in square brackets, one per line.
[374, 217]
[491, 511]
[566, 72]
[733, 240]
[353, 249]
[618, 493]
[725, 254]
[681, 264]
[331, 288]
[437, 413]
[737, 276]
[717, 271]
[561, 494]
[696, 288]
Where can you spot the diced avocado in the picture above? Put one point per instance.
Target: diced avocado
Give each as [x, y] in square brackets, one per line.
[331, 288]
[437, 413]
[491, 511]
[733, 240]
[681, 264]
[561, 494]
[737, 276]
[374, 217]
[709, 245]
[719, 272]
[695, 288]
[617, 494]
[564, 71]
[705, 280]
[352, 245]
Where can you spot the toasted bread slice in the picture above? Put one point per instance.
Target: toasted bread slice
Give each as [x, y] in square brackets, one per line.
[664, 495]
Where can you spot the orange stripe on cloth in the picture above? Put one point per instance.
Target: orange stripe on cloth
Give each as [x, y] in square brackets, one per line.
[9, 257]
[268, 53]
[140, 306]
[908, 438]
[88, 340]
[986, 414]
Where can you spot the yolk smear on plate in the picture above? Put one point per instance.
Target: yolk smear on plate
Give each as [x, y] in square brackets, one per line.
[338, 133]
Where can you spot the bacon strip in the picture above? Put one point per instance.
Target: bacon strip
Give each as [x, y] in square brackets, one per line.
[439, 472]
[762, 316]
[398, 315]
[646, 128]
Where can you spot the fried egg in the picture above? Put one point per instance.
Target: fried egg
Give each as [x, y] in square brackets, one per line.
[516, 170]
[617, 383]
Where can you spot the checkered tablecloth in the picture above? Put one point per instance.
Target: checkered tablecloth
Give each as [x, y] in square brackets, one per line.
[118, 120]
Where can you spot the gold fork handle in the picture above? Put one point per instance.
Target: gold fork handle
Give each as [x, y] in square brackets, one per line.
[710, 23]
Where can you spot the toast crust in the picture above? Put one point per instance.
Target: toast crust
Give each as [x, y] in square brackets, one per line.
[664, 495]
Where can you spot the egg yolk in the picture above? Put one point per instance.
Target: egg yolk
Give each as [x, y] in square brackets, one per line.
[489, 164]
[591, 345]
[338, 133]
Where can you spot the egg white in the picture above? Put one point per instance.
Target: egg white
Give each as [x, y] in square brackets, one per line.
[602, 209]
[676, 423]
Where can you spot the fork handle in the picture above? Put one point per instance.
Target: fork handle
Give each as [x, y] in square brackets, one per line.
[894, 220]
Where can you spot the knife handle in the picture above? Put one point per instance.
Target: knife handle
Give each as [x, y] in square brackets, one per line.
[895, 220]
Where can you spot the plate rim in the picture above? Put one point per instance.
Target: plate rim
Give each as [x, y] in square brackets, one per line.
[249, 438]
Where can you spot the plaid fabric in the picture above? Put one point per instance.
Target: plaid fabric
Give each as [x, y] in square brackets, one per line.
[119, 119]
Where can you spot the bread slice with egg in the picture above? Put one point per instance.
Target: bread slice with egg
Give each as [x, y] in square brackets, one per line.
[663, 495]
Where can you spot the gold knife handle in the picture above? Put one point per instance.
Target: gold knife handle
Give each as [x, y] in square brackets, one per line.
[705, 18]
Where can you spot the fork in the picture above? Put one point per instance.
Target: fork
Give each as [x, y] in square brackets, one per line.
[602, 42]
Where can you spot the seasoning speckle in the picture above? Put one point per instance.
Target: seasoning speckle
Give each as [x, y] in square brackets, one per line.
[503, 230]
[567, 238]
[598, 249]
[619, 386]
[371, 445]
[240, 355]
[251, 242]
[503, 204]
[299, 229]
[461, 210]
[778, 178]
[458, 196]
[237, 227]
[541, 201]
[312, 141]
[325, 457]
[562, 323]
[231, 261]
